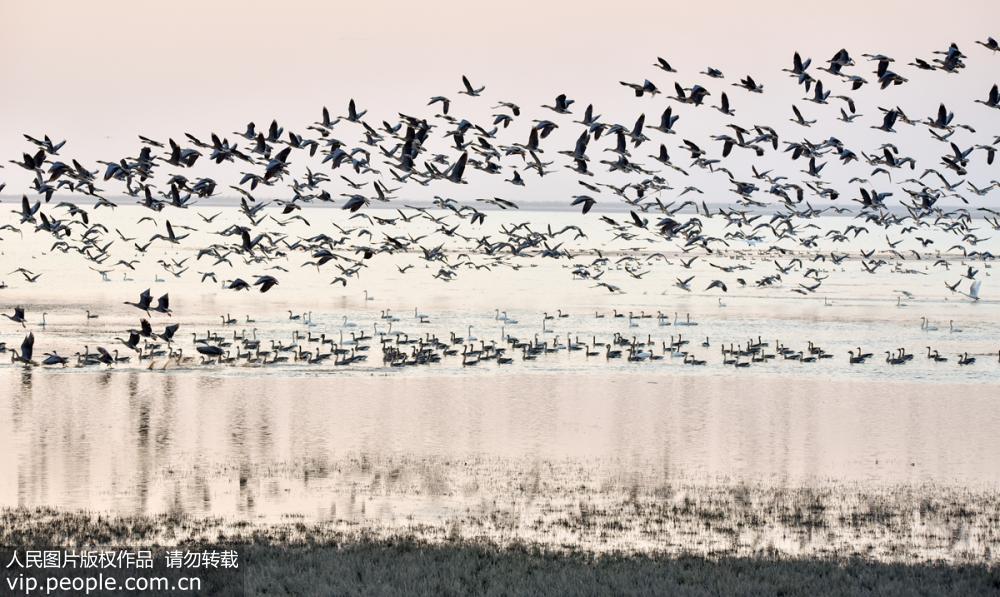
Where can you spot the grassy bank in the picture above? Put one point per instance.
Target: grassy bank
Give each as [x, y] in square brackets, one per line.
[407, 568]
[358, 563]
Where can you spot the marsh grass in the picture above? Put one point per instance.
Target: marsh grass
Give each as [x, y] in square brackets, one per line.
[581, 538]
[409, 566]
[906, 524]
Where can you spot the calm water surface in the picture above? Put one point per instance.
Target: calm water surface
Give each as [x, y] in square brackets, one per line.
[381, 446]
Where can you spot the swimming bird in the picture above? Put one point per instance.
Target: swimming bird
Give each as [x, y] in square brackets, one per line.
[53, 358]
[935, 356]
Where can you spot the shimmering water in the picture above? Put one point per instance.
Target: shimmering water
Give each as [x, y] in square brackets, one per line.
[386, 447]
[269, 444]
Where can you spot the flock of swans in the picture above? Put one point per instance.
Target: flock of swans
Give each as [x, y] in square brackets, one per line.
[403, 346]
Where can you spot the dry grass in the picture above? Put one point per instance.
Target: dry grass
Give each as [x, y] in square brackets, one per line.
[298, 558]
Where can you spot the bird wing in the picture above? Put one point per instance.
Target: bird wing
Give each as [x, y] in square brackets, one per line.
[27, 346]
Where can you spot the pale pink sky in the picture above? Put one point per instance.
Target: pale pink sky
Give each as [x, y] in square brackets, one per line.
[98, 73]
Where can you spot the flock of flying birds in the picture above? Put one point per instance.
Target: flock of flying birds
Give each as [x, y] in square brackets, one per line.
[363, 167]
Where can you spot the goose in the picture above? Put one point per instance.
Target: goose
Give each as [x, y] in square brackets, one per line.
[639, 354]
[17, 317]
[53, 358]
[163, 305]
[937, 358]
[144, 302]
[893, 360]
[104, 357]
[133, 341]
[468, 89]
[27, 348]
[731, 360]
[562, 104]
[210, 350]
[690, 360]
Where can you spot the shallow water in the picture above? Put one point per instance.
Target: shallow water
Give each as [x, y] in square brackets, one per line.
[385, 447]
[852, 308]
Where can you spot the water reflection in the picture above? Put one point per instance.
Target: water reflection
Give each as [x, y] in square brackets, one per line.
[260, 447]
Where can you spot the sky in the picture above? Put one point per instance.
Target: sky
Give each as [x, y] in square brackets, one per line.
[100, 73]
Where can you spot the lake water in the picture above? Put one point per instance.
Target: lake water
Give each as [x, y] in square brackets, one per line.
[378, 447]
